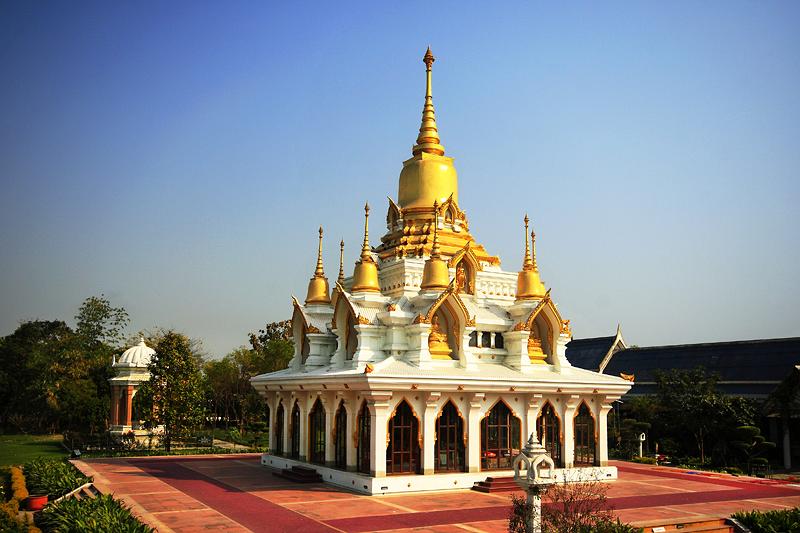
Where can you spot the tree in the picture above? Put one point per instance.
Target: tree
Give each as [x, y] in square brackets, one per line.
[175, 388]
[272, 347]
[752, 445]
[98, 322]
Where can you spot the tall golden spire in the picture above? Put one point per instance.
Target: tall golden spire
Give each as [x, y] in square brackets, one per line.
[533, 251]
[340, 279]
[365, 276]
[318, 290]
[428, 138]
[529, 285]
[527, 264]
[435, 274]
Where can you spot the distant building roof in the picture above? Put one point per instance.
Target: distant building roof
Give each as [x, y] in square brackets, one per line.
[595, 353]
[745, 368]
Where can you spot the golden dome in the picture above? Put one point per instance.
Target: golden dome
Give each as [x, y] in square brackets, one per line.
[365, 276]
[529, 285]
[436, 274]
[428, 176]
[318, 290]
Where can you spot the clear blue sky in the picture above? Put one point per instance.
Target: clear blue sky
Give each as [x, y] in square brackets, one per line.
[179, 156]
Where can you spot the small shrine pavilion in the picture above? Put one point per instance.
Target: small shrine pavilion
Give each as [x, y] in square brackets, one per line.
[131, 372]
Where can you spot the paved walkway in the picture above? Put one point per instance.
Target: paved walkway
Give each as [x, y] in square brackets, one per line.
[235, 493]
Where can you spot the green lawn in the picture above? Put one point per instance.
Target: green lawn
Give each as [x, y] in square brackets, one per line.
[18, 449]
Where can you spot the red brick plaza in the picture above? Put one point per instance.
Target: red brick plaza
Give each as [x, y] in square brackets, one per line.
[236, 493]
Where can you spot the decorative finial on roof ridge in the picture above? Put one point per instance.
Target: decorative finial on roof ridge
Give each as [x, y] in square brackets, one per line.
[533, 251]
[428, 139]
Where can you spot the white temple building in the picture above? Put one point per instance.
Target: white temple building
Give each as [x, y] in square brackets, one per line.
[428, 368]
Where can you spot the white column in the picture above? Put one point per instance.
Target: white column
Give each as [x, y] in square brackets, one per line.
[330, 439]
[288, 404]
[474, 432]
[379, 413]
[569, 430]
[532, 408]
[491, 339]
[272, 402]
[303, 402]
[352, 437]
[602, 433]
[429, 432]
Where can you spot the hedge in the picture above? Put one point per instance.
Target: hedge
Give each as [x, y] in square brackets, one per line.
[770, 521]
[54, 477]
[91, 515]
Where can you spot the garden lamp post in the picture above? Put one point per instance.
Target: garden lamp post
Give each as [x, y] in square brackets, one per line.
[533, 469]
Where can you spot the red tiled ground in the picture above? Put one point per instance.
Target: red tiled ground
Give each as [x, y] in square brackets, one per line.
[236, 494]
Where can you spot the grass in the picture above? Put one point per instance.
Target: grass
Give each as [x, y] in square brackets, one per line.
[19, 449]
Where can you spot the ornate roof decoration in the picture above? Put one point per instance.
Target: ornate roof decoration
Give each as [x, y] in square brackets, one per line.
[137, 356]
[467, 252]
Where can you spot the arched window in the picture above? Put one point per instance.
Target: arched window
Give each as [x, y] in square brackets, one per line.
[278, 446]
[294, 424]
[340, 440]
[548, 429]
[363, 439]
[316, 433]
[402, 452]
[500, 438]
[449, 447]
[584, 437]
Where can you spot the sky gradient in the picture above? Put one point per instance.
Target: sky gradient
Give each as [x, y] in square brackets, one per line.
[179, 156]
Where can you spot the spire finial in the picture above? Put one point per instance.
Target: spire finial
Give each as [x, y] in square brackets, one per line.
[428, 138]
[366, 250]
[340, 280]
[319, 271]
[527, 264]
[533, 251]
[435, 248]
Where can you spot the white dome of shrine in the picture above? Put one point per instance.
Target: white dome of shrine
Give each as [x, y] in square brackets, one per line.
[138, 356]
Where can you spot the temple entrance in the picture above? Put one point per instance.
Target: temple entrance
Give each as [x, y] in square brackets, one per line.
[363, 439]
[500, 438]
[449, 447]
[584, 437]
[294, 424]
[278, 446]
[548, 429]
[340, 437]
[402, 452]
[316, 433]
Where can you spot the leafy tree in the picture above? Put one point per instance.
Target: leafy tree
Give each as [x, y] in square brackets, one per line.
[752, 445]
[272, 347]
[99, 322]
[175, 388]
[629, 433]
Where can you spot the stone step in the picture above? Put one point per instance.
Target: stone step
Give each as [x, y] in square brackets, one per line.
[299, 474]
[496, 484]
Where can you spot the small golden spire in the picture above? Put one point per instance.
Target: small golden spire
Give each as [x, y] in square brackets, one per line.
[366, 249]
[529, 285]
[365, 276]
[320, 271]
[318, 290]
[527, 264]
[428, 138]
[533, 251]
[340, 279]
[435, 274]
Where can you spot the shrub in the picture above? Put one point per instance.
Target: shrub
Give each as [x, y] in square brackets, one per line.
[55, 477]
[91, 515]
[18, 490]
[645, 460]
[770, 521]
